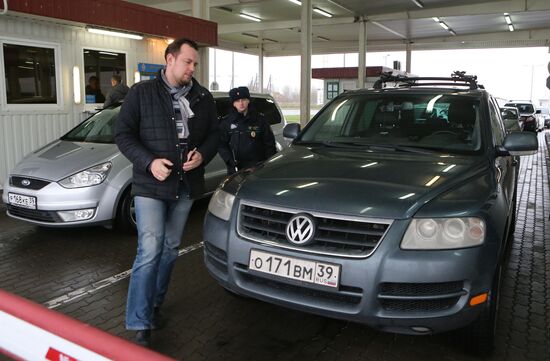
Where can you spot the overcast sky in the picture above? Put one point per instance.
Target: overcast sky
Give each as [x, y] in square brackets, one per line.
[511, 73]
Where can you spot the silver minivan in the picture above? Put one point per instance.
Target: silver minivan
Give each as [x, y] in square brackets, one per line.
[82, 178]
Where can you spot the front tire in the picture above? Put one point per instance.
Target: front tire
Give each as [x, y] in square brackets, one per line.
[479, 336]
[126, 215]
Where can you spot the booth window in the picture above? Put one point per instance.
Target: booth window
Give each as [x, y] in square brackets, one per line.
[30, 74]
[333, 89]
[99, 67]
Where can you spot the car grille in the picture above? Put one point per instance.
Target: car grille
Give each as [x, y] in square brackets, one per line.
[334, 235]
[34, 214]
[420, 297]
[34, 184]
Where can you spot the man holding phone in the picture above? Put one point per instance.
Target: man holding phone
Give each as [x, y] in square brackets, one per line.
[168, 129]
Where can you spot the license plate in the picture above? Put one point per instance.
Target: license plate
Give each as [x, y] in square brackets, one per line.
[20, 200]
[320, 273]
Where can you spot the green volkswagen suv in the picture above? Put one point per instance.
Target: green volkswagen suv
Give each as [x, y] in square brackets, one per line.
[393, 208]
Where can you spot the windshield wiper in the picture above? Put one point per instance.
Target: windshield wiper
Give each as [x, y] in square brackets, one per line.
[402, 148]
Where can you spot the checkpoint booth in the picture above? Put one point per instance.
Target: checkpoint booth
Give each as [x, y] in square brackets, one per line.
[339, 80]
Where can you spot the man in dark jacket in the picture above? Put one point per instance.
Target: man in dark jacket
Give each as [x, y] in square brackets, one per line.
[168, 129]
[117, 93]
[246, 137]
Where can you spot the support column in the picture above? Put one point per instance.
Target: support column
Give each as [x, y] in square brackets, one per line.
[408, 58]
[361, 70]
[201, 10]
[261, 62]
[305, 74]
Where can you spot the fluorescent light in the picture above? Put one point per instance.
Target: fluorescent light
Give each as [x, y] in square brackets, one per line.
[307, 185]
[107, 53]
[418, 3]
[449, 168]
[114, 33]
[511, 27]
[508, 19]
[76, 84]
[322, 38]
[432, 181]
[444, 26]
[250, 17]
[407, 196]
[452, 32]
[322, 12]
[436, 19]
[297, 2]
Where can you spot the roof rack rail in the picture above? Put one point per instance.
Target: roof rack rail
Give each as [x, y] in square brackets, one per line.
[457, 78]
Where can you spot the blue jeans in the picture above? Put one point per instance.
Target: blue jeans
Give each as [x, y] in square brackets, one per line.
[160, 225]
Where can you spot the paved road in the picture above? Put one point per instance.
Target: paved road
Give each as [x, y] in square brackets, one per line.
[83, 273]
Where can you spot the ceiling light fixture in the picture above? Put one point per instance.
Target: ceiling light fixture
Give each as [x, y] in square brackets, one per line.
[114, 33]
[322, 12]
[443, 25]
[418, 3]
[322, 38]
[297, 2]
[511, 27]
[436, 19]
[250, 17]
[452, 32]
[250, 35]
[508, 19]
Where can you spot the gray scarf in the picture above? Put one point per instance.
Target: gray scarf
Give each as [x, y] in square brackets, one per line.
[179, 95]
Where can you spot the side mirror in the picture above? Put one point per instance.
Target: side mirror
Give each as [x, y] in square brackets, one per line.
[521, 143]
[538, 111]
[291, 130]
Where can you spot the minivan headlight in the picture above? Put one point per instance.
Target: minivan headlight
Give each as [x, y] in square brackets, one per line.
[444, 233]
[88, 177]
[221, 204]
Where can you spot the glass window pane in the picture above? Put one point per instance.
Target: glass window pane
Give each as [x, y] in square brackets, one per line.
[99, 66]
[30, 74]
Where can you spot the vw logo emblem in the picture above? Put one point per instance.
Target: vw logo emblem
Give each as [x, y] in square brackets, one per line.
[25, 182]
[300, 230]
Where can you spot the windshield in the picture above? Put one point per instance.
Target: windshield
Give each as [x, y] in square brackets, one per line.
[99, 128]
[522, 107]
[438, 122]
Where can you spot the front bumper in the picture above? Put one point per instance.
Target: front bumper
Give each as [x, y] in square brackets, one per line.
[409, 292]
[53, 199]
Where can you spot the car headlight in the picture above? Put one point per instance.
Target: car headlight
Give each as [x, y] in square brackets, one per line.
[221, 203]
[444, 233]
[88, 177]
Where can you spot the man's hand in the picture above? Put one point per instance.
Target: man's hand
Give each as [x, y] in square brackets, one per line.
[161, 168]
[194, 159]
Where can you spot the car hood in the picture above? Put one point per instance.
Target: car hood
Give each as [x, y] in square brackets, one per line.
[391, 184]
[61, 158]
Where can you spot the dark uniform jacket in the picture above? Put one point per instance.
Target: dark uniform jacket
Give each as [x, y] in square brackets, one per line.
[116, 94]
[146, 130]
[245, 140]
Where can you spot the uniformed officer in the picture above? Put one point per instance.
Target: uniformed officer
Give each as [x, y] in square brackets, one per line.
[245, 135]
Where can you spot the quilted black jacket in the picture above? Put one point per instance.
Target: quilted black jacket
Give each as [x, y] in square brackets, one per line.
[146, 130]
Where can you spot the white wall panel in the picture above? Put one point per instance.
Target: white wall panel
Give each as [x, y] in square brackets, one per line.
[25, 130]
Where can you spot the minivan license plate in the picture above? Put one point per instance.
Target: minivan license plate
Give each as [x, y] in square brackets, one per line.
[325, 274]
[20, 200]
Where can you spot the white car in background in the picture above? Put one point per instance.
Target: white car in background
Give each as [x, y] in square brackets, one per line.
[82, 179]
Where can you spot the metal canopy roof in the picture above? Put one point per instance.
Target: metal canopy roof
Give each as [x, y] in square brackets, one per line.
[391, 24]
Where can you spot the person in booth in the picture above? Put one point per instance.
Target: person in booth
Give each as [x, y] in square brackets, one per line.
[245, 135]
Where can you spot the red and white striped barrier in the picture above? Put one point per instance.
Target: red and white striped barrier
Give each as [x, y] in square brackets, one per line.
[29, 331]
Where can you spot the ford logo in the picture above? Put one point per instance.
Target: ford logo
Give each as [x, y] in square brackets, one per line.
[25, 182]
[300, 230]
